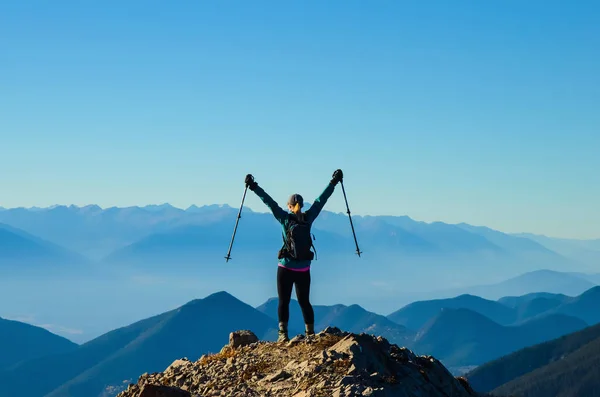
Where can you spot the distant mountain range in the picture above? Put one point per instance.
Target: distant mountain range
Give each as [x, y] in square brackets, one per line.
[21, 251]
[162, 238]
[460, 336]
[544, 280]
[583, 251]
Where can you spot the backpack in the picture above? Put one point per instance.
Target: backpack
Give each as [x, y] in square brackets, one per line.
[298, 240]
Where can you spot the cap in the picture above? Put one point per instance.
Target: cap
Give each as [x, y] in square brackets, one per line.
[296, 199]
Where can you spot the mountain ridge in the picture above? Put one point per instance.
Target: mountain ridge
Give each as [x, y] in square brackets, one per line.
[19, 248]
[20, 342]
[516, 371]
[475, 339]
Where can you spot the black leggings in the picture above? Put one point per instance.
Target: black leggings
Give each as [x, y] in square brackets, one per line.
[285, 281]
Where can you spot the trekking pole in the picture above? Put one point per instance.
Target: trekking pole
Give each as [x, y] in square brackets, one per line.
[228, 257]
[350, 217]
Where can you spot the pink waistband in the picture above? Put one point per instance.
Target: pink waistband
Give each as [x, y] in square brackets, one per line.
[304, 269]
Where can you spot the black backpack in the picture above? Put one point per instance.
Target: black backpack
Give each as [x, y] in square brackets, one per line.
[298, 240]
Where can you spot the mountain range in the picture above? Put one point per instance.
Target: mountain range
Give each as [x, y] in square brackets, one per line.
[565, 366]
[583, 251]
[133, 250]
[458, 335]
[20, 250]
[484, 329]
[510, 310]
[462, 337]
[162, 239]
[101, 233]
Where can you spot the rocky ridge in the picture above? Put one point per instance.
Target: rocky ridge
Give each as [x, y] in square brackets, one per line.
[331, 363]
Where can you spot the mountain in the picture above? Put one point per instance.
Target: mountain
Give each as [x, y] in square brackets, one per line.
[215, 208]
[207, 244]
[21, 342]
[516, 301]
[21, 251]
[196, 328]
[352, 318]
[400, 248]
[583, 251]
[417, 314]
[332, 363]
[584, 306]
[574, 375]
[150, 242]
[445, 237]
[461, 337]
[539, 305]
[531, 305]
[513, 366]
[543, 280]
[512, 243]
[160, 208]
[90, 230]
[98, 232]
[593, 277]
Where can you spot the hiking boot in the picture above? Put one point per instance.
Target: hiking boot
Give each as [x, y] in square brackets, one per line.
[283, 333]
[310, 329]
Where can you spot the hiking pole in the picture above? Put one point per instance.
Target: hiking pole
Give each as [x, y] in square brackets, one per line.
[228, 257]
[350, 217]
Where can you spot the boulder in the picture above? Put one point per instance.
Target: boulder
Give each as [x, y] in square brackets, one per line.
[242, 338]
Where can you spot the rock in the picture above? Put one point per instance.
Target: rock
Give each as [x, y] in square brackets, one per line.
[225, 349]
[162, 391]
[337, 363]
[368, 391]
[277, 376]
[331, 331]
[242, 338]
[177, 364]
[296, 339]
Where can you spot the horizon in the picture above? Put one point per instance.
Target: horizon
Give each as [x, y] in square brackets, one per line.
[263, 211]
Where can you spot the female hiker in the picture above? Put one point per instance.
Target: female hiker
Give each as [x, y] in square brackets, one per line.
[295, 256]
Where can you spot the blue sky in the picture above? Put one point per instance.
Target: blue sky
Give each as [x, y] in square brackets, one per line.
[476, 111]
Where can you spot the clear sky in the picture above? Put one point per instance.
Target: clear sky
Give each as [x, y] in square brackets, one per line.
[486, 112]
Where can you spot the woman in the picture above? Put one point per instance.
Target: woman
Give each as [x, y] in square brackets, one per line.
[295, 256]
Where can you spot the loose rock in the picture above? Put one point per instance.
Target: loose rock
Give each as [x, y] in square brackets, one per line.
[334, 363]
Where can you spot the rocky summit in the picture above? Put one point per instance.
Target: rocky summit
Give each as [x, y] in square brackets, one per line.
[331, 363]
